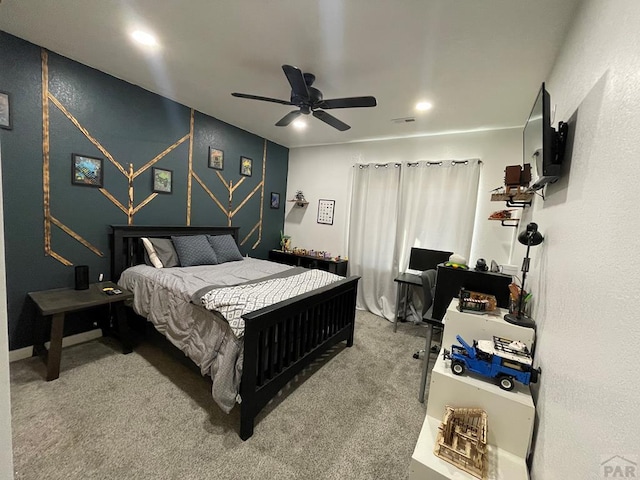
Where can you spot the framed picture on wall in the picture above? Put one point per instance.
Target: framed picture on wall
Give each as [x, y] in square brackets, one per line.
[246, 164]
[275, 200]
[216, 159]
[5, 111]
[162, 180]
[86, 170]
[325, 211]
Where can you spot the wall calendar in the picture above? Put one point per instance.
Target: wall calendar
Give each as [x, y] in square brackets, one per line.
[325, 211]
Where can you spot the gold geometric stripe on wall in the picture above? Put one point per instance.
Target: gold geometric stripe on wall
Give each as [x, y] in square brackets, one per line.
[229, 211]
[130, 210]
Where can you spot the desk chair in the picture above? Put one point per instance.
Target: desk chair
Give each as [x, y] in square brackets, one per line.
[428, 289]
[420, 260]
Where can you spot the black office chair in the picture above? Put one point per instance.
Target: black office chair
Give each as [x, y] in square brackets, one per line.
[428, 290]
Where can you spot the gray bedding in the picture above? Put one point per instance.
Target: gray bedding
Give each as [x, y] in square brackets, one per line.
[164, 296]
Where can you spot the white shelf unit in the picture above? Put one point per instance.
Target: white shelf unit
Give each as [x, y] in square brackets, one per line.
[511, 415]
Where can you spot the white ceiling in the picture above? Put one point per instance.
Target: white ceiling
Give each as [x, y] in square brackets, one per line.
[480, 62]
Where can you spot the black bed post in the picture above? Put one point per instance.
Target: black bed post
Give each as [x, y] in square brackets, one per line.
[248, 385]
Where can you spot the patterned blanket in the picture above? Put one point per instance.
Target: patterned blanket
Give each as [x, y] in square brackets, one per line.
[233, 302]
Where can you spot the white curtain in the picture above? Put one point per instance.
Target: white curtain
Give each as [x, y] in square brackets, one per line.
[437, 207]
[372, 236]
[393, 208]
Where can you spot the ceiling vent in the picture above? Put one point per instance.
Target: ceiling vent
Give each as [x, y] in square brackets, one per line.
[403, 120]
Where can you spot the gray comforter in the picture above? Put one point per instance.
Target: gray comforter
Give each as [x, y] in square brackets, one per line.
[163, 296]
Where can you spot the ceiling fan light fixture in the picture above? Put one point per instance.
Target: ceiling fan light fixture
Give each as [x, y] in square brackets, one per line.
[423, 106]
[299, 124]
[145, 38]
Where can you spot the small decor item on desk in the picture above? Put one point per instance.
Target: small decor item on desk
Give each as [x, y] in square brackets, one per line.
[475, 302]
[481, 265]
[112, 291]
[457, 261]
[462, 440]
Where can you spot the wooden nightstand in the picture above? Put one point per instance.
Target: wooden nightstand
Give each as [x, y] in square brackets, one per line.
[57, 302]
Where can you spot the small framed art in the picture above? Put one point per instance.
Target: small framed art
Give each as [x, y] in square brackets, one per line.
[216, 159]
[246, 165]
[325, 211]
[5, 111]
[162, 180]
[87, 171]
[275, 200]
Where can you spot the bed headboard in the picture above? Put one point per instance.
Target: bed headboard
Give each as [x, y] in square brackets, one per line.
[127, 249]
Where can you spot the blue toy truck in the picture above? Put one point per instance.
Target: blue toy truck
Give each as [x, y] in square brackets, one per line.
[502, 359]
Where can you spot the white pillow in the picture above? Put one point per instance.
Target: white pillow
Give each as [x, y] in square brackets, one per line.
[153, 256]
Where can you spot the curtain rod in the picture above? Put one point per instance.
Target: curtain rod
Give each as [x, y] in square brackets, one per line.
[377, 165]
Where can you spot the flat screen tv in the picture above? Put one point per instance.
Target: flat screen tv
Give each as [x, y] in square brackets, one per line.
[543, 145]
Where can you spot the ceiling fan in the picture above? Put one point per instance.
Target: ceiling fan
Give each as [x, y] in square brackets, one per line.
[309, 100]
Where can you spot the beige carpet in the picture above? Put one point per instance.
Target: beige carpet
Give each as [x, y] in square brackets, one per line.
[149, 415]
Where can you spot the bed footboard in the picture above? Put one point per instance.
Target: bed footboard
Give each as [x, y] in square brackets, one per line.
[281, 339]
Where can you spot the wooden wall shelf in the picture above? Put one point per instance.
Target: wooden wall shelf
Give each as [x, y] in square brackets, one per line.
[519, 199]
[299, 203]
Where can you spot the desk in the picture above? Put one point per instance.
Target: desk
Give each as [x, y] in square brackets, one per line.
[404, 281]
[59, 301]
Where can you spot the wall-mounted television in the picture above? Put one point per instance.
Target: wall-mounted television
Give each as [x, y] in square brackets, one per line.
[543, 145]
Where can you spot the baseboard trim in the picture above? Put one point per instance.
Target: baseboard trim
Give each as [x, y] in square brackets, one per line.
[26, 352]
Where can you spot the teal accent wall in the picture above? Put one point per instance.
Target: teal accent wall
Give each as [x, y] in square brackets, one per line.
[134, 126]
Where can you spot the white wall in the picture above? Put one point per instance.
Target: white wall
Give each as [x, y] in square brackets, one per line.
[325, 172]
[6, 453]
[586, 274]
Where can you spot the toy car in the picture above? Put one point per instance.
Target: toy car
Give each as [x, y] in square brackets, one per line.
[503, 359]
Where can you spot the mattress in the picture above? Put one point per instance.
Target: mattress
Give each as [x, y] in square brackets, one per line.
[164, 297]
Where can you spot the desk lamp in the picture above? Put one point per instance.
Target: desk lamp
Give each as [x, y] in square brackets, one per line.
[530, 237]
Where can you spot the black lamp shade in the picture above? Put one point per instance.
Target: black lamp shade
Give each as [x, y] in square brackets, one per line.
[531, 236]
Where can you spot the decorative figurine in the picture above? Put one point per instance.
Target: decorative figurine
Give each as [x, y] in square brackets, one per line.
[285, 242]
[503, 359]
[462, 440]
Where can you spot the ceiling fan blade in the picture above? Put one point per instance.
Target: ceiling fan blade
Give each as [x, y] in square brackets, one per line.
[296, 80]
[288, 118]
[264, 99]
[331, 120]
[349, 102]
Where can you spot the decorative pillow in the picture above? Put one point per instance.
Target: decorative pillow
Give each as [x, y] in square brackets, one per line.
[151, 254]
[194, 250]
[225, 248]
[166, 253]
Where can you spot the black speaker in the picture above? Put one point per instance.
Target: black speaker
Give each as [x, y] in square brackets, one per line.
[82, 277]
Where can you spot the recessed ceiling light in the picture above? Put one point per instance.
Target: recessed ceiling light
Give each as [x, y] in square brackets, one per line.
[144, 38]
[423, 106]
[300, 124]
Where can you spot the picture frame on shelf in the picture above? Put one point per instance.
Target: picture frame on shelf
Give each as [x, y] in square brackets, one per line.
[275, 200]
[5, 111]
[246, 166]
[162, 180]
[216, 158]
[87, 171]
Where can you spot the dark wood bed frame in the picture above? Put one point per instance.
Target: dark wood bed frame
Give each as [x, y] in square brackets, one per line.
[279, 340]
